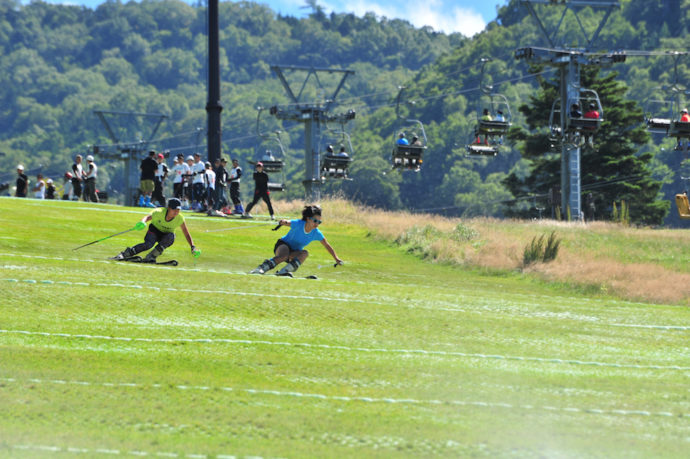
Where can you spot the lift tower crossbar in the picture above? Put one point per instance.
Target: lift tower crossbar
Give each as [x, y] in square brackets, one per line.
[568, 61]
[314, 115]
[130, 152]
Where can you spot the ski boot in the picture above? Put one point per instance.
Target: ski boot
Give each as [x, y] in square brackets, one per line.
[289, 268]
[125, 254]
[267, 265]
[152, 255]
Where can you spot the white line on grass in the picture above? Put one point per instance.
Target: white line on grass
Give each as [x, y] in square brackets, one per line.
[115, 452]
[342, 398]
[47, 282]
[396, 305]
[350, 349]
[579, 300]
[655, 327]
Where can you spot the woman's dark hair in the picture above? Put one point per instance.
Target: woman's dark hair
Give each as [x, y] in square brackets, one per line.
[310, 211]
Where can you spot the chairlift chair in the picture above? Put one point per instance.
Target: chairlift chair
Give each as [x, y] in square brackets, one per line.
[683, 206]
[410, 156]
[585, 99]
[490, 129]
[268, 142]
[658, 115]
[335, 165]
[494, 104]
[679, 129]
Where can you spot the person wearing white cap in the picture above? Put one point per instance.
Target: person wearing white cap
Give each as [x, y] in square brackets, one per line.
[22, 183]
[179, 171]
[50, 189]
[188, 182]
[90, 181]
[77, 178]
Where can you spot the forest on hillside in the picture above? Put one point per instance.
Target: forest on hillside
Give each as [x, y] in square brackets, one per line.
[61, 63]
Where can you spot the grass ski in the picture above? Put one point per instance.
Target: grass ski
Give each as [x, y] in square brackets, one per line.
[138, 259]
[291, 275]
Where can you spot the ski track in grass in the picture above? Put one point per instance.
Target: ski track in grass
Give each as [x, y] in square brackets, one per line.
[357, 399]
[417, 352]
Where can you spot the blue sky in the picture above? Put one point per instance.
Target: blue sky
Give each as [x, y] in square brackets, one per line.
[465, 16]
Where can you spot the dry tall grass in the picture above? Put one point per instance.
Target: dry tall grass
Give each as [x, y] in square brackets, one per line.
[500, 245]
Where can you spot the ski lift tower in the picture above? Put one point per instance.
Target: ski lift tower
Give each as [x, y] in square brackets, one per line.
[130, 152]
[569, 60]
[314, 115]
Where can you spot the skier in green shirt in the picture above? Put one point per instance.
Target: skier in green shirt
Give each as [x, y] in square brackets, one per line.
[164, 222]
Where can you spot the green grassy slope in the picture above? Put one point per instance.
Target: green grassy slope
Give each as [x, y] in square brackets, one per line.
[386, 356]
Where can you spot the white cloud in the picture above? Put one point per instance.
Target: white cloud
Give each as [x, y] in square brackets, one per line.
[433, 13]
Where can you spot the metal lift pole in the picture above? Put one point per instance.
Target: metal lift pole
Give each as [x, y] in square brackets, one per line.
[570, 153]
[568, 60]
[213, 105]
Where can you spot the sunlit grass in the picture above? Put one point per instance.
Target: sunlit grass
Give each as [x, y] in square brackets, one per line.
[398, 353]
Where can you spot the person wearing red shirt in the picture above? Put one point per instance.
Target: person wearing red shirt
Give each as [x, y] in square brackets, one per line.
[684, 118]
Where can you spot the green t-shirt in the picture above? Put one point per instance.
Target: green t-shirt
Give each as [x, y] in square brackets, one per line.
[158, 220]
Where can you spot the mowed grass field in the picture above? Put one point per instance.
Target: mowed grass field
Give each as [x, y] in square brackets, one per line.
[386, 356]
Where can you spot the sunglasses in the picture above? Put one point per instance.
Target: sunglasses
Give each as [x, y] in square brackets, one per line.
[316, 220]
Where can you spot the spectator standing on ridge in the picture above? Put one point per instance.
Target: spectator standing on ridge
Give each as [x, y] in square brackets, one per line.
[67, 192]
[209, 187]
[159, 180]
[148, 169]
[179, 171]
[90, 181]
[221, 172]
[22, 188]
[77, 178]
[188, 186]
[50, 189]
[198, 184]
[235, 176]
[40, 188]
[260, 191]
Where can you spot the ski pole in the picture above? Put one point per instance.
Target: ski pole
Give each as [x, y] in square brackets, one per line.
[326, 266]
[138, 226]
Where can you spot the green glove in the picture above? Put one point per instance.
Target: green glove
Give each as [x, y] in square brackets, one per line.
[196, 252]
[140, 226]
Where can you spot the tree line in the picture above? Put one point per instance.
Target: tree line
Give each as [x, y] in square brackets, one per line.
[60, 63]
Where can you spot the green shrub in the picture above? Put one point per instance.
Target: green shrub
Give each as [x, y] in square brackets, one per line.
[541, 249]
[464, 233]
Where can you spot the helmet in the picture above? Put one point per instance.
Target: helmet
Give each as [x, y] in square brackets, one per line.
[190, 158]
[259, 164]
[685, 110]
[160, 156]
[89, 158]
[68, 175]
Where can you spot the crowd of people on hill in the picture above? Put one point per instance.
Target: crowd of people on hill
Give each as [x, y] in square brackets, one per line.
[78, 183]
[199, 185]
